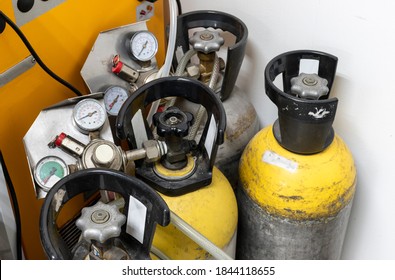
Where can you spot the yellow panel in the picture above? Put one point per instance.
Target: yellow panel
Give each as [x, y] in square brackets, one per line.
[62, 37]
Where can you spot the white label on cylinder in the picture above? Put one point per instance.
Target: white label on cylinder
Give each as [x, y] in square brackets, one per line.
[280, 161]
[212, 131]
[140, 134]
[136, 219]
[309, 66]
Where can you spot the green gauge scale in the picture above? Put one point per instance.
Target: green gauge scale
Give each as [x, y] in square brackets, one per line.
[49, 170]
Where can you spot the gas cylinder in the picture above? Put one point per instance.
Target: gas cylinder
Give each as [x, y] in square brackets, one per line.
[186, 178]
[297, 177]
[109, 231]
[203, 39]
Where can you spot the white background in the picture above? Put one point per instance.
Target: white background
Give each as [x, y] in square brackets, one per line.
[362, 35]
[198, 270]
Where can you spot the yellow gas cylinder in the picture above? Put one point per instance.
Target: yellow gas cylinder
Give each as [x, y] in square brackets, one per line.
[211, 210]
[186, 178]
[297, 177]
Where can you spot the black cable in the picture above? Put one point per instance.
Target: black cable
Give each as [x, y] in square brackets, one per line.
[179, 7]
[15, 207]
[35, 55]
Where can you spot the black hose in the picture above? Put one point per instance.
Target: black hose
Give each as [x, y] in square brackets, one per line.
[35, 55]
[15, 205]
[179, 7]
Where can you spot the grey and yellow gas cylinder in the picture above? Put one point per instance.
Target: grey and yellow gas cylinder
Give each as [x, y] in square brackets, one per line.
[208, 35]
[185, 177]
[297, 177]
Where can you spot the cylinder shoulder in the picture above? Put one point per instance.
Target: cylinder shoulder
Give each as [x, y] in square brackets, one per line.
[294, 185]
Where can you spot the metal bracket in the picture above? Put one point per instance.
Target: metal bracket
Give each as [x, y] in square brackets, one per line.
[16, 70]
[38, 8]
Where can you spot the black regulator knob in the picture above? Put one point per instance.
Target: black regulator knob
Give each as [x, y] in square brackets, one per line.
[173, 122]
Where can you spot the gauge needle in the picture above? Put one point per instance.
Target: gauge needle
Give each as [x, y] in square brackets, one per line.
[113, 102]
[51, 173]
[144, 46]
[88, 115]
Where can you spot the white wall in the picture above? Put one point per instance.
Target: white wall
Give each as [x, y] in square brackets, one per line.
[362, 35]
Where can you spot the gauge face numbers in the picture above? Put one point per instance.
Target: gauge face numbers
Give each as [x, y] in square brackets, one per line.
[89, 115]
[49, 170]
[114, 97]
[143, 45]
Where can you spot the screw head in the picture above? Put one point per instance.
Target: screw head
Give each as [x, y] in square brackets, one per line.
[100, 216]
[309, 81]
[206, 36]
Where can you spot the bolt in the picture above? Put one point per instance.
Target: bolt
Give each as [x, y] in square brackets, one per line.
[173, 120]
[309, 81]
[100, 216]
[206, 36]
[103, 155]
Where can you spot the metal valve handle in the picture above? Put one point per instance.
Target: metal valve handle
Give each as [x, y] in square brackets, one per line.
[304, 125]
[92, 180]
[100, 222]
[206, 41]
[225, 22]
[309, 86]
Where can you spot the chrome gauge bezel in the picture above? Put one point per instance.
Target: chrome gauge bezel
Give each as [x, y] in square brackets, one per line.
[89, 115]
[143, 46]
[48, 182]
[114, 97]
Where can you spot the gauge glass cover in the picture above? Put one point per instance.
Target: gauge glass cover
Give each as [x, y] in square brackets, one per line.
[143, 45]
[114, 97]
[89, 115]
[49, 170]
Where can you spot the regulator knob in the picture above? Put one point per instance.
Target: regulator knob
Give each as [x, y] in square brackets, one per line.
[100, 222]
[173, 122]
[206, 41]
[309, 86]
[103, 155]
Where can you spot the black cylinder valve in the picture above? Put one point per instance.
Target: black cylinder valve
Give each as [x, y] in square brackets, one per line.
[173, 124]
[188, 164]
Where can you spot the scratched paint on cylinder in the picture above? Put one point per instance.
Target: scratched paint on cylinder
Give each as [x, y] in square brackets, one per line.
[320, 187]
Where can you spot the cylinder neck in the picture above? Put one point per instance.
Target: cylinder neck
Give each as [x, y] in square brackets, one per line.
[304, 124]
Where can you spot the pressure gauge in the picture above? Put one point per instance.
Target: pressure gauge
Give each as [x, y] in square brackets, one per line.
[89, 115]
[114, 97]
[143, 45]
[49, 170]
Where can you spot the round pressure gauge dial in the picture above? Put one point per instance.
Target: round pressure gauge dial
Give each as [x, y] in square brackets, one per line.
[114, 97]
[49, 170]
[89, 115]
[143, 45]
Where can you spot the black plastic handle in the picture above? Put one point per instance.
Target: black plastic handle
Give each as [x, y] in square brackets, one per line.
[91, 180]
[193, 91]
[303, 126]
[226, 22]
